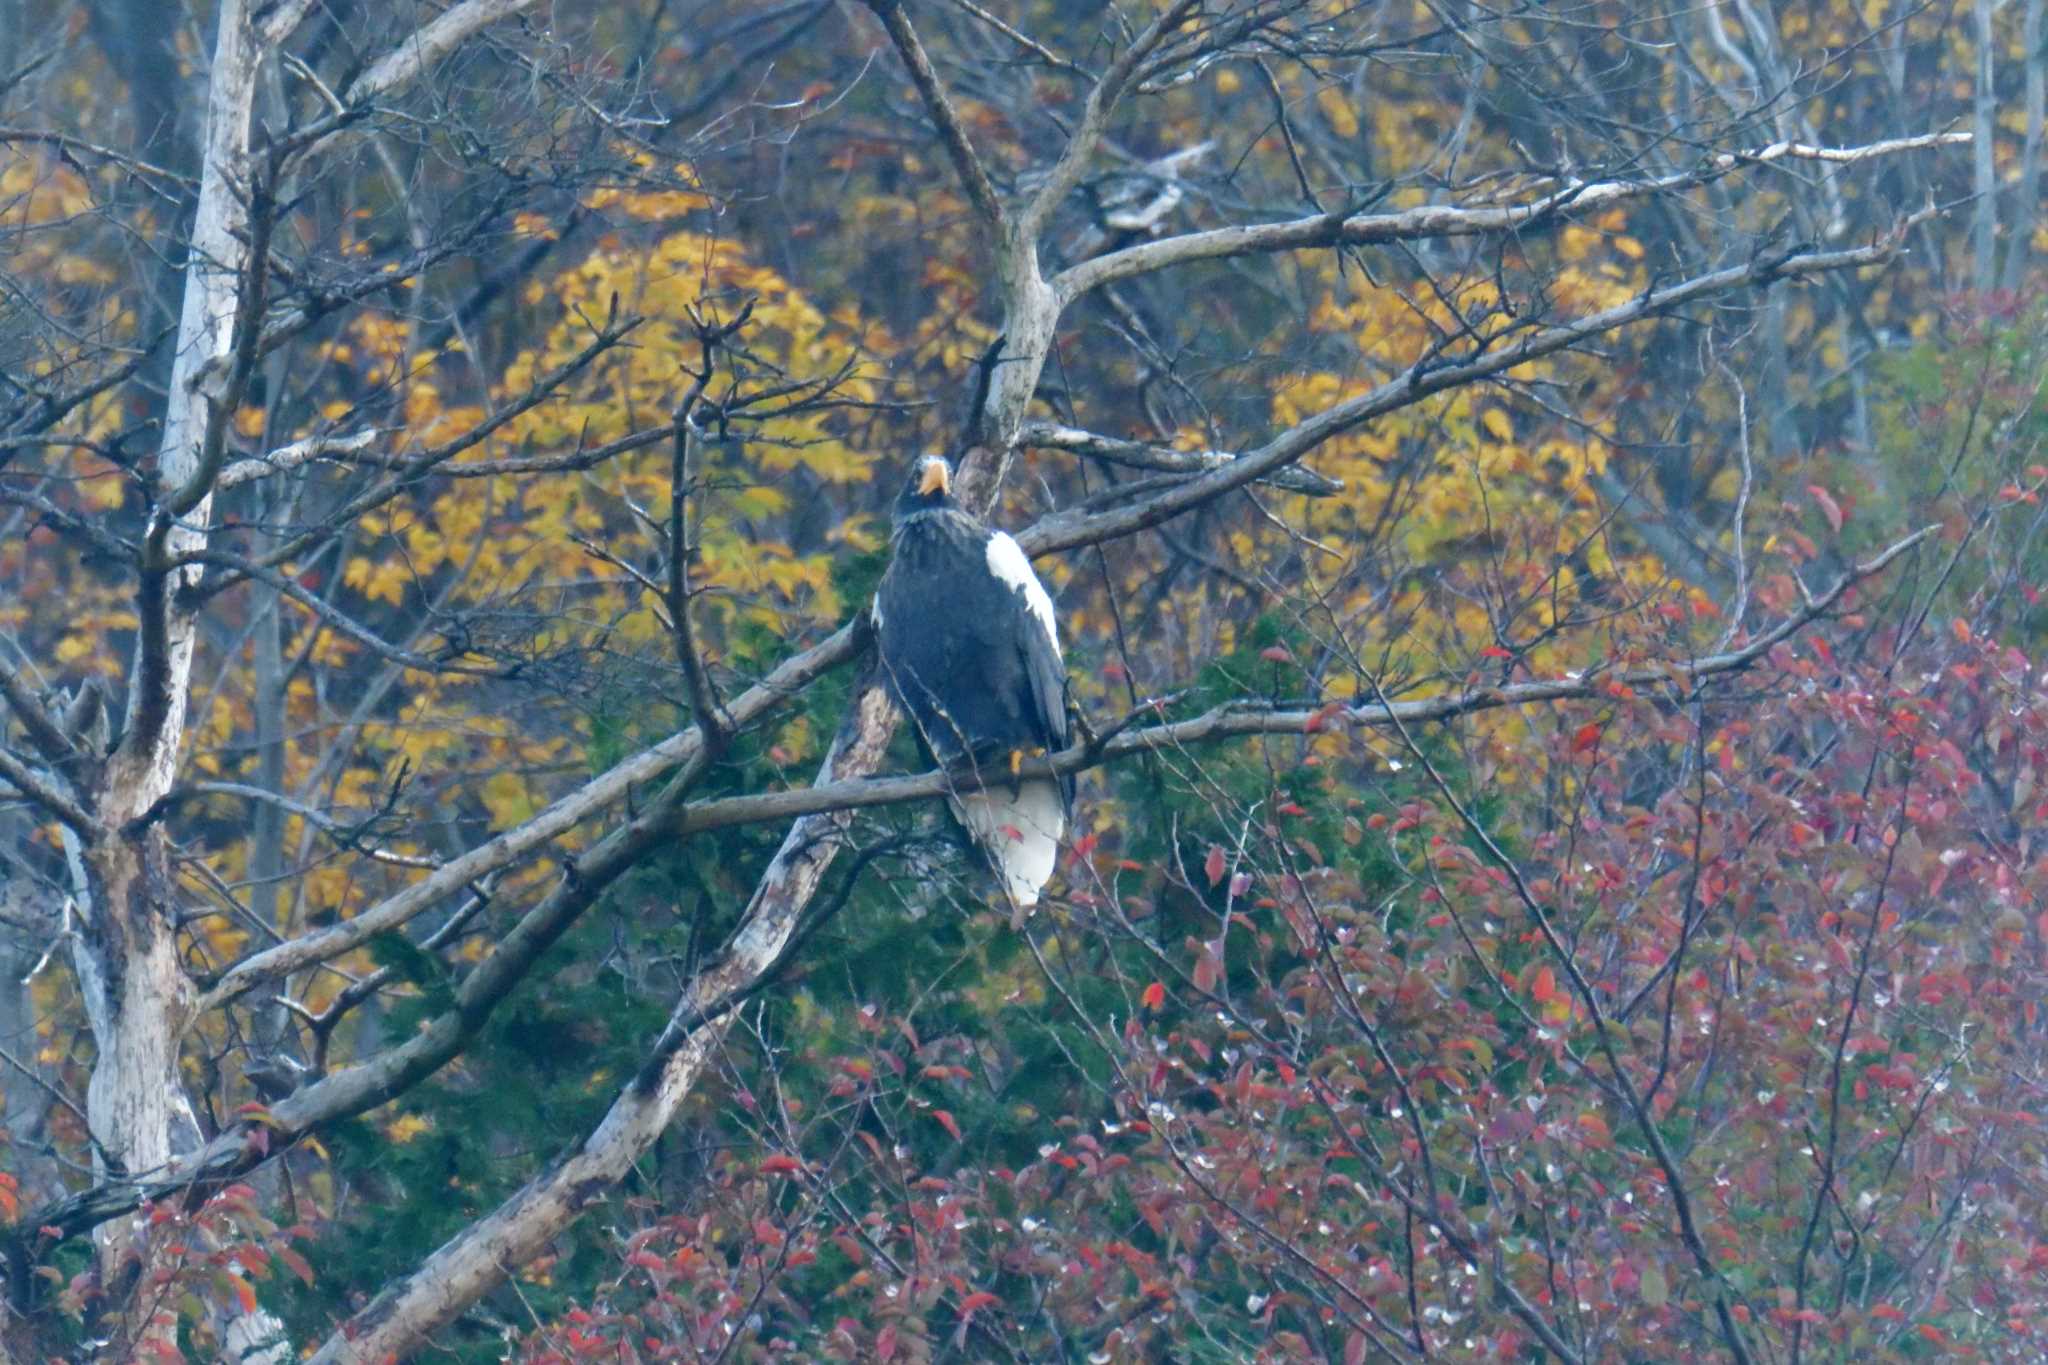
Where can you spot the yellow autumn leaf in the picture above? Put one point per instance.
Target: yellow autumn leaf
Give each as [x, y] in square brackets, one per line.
[508, 800]
[406, 1127]
[1337, 109]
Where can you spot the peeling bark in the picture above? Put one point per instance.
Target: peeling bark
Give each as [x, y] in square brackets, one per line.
[137, 995]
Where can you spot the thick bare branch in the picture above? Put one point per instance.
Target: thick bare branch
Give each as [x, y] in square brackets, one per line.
[424, 48]
[1448, 220]
[287, 458]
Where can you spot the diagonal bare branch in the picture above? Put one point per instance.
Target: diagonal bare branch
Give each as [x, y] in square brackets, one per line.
[46, 792]
[1448, 220]
[1163, 459]
[482, 1255]
[425, 47]
[940, 105]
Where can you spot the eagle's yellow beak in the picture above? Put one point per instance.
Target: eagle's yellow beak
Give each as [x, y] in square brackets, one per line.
[934, 480]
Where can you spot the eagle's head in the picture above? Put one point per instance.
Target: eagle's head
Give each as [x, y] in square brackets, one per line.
[930, 488]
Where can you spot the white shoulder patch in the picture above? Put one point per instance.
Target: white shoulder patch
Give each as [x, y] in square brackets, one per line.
[1007, 562]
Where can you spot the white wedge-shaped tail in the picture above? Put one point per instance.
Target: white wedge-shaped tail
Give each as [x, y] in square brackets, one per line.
[1021, 831]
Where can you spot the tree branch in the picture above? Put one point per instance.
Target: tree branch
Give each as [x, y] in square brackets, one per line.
[1164, 459]
[1445, 220]
[290, 457]
[45, 792]
[1234, 720]
[426, 46]
[940, 105]
[482, 1255]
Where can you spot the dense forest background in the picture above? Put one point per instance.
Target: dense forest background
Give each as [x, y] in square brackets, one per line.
[1543, 501]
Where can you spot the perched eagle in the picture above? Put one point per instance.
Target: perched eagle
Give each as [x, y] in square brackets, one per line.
[972, 654]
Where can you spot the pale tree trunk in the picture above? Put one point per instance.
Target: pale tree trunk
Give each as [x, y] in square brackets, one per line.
[2019, 243]
[1984, 229]
[136, 993]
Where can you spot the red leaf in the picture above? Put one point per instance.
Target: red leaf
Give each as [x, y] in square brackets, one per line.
[976, 1301]
[1154, 996]
[885, 1343]
[1586, 738]
[298, 1264]
[1544, 987]
[1212, 866]
[946, 1122]
[1276, 654]
[1829, 508]
[780, 1164]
